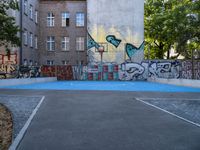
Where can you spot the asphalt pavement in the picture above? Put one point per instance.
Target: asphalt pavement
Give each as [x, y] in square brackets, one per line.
[105, 120]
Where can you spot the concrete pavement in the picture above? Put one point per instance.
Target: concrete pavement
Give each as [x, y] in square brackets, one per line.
[105, 120]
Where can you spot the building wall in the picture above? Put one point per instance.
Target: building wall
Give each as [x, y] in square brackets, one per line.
[119, 27]
[28, 52]
[57, 7]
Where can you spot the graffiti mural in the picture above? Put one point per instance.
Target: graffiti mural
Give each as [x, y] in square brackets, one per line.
[190, 70]
[113, 40]
[131, 49]
[126, 71]
[164, 69]
[153, 69]
[8, 59]
[92, 43]
[61, 72]
[131, 71]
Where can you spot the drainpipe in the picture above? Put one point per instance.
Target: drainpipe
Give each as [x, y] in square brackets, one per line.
[21, 28]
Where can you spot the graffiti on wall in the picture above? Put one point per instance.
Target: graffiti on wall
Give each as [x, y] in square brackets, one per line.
[113, 40]
[126, 71]
[131, 71]
[92, 43]
[155, 69]
[189, 70]
[131, 49]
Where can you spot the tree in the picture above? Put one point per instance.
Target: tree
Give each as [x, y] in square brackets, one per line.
[8, 28]
[171, 24]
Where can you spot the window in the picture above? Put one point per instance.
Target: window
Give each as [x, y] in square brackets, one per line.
[65, 44]
[25, 37]
[80, 43]
[65, 19]
[31, 12]
[31, 39]
[80, 19]
[50, 19]
[50, 43]
[36, 16]
[25, 7]
[65, 62]
[36, 42]
[50, 62]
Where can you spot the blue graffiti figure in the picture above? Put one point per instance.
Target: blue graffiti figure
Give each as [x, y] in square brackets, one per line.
[113, 40]
[131, 49]
[92, 43]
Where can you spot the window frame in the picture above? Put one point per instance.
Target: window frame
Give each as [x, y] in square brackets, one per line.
[80, 20]
[31, 39]
[65, 62]
[31, 12]
[26, 7]
[66, 41]
[36, 16]
[64, 17]
[50, 62]
[36, 42]
[50, 19]
[80, 43]
[51, 41]
[25, 35]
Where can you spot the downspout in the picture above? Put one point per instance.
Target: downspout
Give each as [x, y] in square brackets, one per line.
[21, 31]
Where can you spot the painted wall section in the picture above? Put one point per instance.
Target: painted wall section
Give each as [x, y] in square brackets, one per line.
[115, 25]
[165, 69]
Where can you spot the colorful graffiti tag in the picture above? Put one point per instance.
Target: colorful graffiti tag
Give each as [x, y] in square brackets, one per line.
[131, 49]
[113, 40]
[126, 71]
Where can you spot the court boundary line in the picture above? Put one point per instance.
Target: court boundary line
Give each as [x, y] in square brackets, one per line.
[22, 132]
[161, 109]
[28, 96]
[169, 98]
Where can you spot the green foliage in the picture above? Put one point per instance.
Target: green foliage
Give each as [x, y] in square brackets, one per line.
[171, 24]
[8, 28]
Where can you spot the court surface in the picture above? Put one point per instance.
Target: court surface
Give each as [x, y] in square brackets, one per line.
[113, 120]
[106, 86]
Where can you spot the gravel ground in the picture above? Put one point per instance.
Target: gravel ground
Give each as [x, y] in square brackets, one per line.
[186, 108]
[21, 108]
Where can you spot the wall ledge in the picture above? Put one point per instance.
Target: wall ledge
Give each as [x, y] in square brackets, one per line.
[22, 81]
[179, 82]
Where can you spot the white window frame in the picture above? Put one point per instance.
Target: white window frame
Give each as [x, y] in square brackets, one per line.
[51, 43]
[31, 39]
[65, 43]
[36, 16]
[25, 37]
[25, 7]
[36, 42]
[80, 43]
[50, 62]
[50, 19]
[31, 11]
[65, 16]
[80, 19]
[65, 62]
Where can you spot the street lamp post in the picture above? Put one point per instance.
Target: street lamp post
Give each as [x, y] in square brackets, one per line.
[194, 57]
[101, 50]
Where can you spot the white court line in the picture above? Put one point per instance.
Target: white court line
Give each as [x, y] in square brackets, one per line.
[21, 95]
[146, 98]
[22, 132]
[196, 124]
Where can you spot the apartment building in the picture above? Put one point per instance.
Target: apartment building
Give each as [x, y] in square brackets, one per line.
[30, 30]
[69, 32]
[63, 32]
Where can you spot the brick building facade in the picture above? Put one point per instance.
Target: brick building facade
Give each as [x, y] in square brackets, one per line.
[53, 32]
[63, 32]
